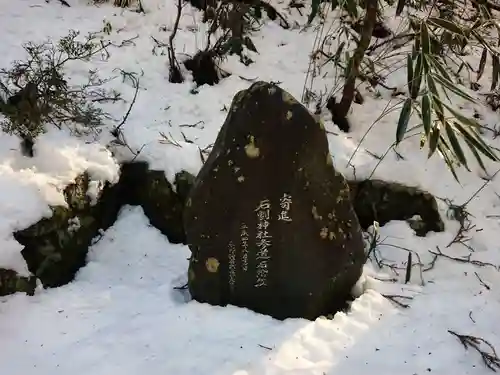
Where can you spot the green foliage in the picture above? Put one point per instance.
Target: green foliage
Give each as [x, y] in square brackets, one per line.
[440, 34]
[237, 20]
[34, 92]
[446, 130]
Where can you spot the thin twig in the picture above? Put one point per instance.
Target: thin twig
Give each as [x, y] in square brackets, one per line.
[464, 259]
[482, 282]
[399, 303]
[490, 359]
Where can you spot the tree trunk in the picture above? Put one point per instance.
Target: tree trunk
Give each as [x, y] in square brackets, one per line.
[366, 36]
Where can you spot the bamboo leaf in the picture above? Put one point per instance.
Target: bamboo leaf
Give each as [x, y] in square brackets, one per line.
[455, 145]
[446, 38]
[426, 114]
[448, 161]
[496, 71]
[433, 140]
[437, 65]
[347, 69]
[249, 44]
[409, 265]
[404, 118]
[416, 46]
[478, 143]
[340, 49]
[482, 63]
[423, 139]
[476, 155]
[409, 72]
[352, 8]
[447, 25]
[436, 104]
[471, 123]
[485, 12]
[417, 77]
[314, 10]
[484, 43]
[453, 88]
[424, 38]
[400, 7]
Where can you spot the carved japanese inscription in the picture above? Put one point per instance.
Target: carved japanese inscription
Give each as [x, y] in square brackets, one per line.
[269, 223]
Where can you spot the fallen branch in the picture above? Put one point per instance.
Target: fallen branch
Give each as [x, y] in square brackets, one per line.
[265, 347]
[175, 75]
[117, 132]
[464, 259]
[135, 84]
[491, 359]
[482, 282]
[399, 303]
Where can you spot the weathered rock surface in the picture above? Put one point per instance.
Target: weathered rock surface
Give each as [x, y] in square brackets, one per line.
[55, 248]
[268, 220]
[382, 201]
[162, 205]
[11, 282]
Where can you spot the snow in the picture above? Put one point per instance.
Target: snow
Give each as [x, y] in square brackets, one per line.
[122, 313]
[29, 185]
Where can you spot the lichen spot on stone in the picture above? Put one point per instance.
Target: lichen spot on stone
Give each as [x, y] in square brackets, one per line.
[323, 233]
[288, 99]
[321, 124]
[237, 100]
[329, 160]
[188, 202]
[241, 179]
[190, 275]
[212, 265]
[251, 150]
[257, 86]
[230, 162]
[331, 236]
[271, 90]
[289, 115]
[315, 214]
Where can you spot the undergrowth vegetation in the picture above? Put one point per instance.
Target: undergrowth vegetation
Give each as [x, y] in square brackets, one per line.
[432, 44]
[430, 40]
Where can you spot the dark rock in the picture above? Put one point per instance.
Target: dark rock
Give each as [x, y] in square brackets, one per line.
[268, 220]
[341, 121]
[133, 176]
[375, 200]
[380, 30]
[162, 206]
[203, 68]
[55, 248]
[11, 282]
[183, 183]
[383, 201]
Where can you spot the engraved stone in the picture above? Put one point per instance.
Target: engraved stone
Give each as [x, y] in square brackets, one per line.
[272, 211]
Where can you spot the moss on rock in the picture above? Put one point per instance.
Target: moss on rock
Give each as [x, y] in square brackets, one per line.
[55, 248]
[11, 282]
[382, 201]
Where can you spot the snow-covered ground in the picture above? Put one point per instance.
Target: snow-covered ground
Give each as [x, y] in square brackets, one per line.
[122, 314]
